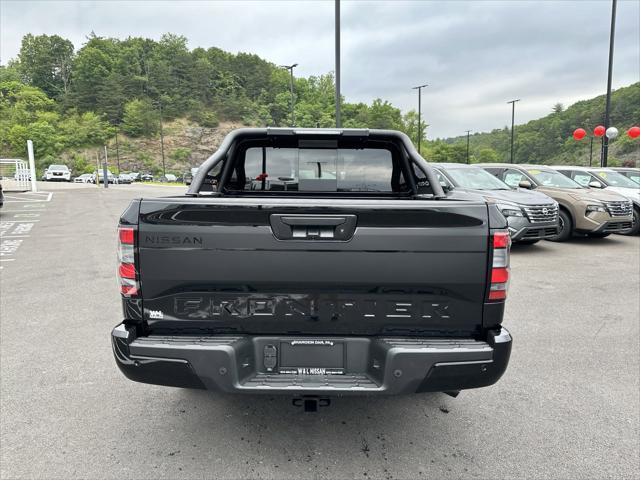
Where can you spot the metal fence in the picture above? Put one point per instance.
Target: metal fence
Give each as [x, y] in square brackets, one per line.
[15, 175]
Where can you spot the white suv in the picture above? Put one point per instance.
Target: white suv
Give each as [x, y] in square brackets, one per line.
[57, 172]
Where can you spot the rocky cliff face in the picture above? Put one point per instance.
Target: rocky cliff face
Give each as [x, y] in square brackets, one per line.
[186, 145]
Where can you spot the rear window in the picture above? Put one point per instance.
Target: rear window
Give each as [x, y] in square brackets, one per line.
[318, 170]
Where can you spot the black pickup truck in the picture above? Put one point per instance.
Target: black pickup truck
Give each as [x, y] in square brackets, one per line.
[314, 262]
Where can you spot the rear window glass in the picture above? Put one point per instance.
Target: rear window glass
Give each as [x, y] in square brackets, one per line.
[318, 170]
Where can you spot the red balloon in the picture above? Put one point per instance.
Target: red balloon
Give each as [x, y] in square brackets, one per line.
[599, 131]
[579, 133]
[634, 132]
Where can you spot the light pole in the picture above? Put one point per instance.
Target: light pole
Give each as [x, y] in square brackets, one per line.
[164, 171]
[337, 59]
[513, 117]
[117, 150]
[293, 114]
[605, 143]
[105, 169]
[468, 132]
[419, 88]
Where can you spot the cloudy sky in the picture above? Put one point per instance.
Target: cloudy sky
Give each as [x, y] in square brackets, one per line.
[475, 55]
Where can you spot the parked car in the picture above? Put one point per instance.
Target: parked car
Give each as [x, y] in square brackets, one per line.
[111, 178]
[57, 173]
[135, 176]
[1, 196]
[124, 178]
[632, 173]
[188, 177]
[610, 181]
[373, 282]
[146, 177]
[583, 211]
[169, 177]
[84, 178]
[532, 216]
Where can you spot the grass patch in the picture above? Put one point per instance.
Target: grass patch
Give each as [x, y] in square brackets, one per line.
[164, 184]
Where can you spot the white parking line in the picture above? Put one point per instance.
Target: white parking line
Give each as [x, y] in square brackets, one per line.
[9, 246]
[39, 197]
[14, 229]
[6, 260]
[21, 211]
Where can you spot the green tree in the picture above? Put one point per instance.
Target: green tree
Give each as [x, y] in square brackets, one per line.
[410, 121]
[91, 69]
[180, 154]
[487, 155]
[140, 118]
[46, 63]
[9, 73]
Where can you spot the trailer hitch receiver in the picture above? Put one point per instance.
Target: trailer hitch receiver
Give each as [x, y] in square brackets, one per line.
[311, 403]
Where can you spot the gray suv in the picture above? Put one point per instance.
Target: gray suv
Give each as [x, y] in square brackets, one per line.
[531, 216]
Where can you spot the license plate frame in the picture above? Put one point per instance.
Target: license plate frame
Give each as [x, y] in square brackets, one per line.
[312, 357]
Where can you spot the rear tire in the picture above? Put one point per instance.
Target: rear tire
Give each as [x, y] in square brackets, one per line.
[566, 227]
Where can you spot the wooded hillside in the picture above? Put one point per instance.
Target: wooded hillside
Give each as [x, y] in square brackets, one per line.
[72, 102]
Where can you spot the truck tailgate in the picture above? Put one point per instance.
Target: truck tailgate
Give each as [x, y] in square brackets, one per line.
[305, 266]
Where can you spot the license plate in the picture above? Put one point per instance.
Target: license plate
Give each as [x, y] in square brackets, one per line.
[312, 357]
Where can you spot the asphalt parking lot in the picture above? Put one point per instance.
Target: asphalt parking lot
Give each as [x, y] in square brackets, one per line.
[567, 407]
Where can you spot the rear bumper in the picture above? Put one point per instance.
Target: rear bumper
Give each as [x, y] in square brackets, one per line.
[373, 365]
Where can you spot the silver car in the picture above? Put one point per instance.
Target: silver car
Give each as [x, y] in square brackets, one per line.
[531, 216]
[84, 178]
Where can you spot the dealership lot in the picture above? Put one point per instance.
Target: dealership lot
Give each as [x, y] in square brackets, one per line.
[568, 406]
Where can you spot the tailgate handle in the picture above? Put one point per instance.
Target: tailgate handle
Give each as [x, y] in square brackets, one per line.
[313, 221]
[313, 227]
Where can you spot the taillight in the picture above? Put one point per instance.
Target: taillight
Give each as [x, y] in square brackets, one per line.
[127, 274]
[500, 242]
